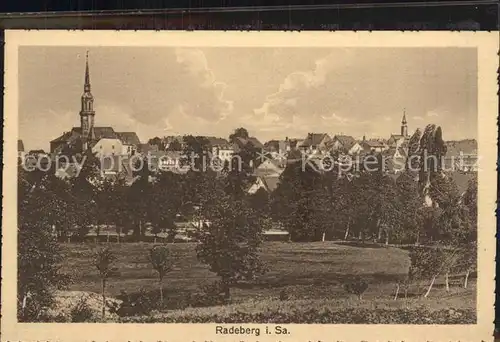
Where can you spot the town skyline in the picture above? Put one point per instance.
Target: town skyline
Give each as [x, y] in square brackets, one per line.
[155, 111]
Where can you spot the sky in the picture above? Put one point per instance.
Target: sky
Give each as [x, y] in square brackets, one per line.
[273, 92]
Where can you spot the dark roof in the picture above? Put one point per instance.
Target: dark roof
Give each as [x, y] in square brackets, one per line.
[256, 142]
[252, 140]
[314, 139]
[99, 132]
[346, 140]
[20, 145]
[215, 141]
[373, 143]
[128, 138]
[105, 132]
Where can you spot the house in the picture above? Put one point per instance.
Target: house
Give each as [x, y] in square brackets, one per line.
[315, 143]
[270, 167]
[221, 148]
[166, 161]
[346, 144]
[173, 143]
[130, 142]
[397, 139]
[108, 147]
[461, 155]
[268, 183]
[373, 145]
[240, 142]
[277, 149]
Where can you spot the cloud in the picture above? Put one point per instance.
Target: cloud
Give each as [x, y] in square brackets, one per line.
[194, 64]
[417, 118]
[334, 118]
[432, 114]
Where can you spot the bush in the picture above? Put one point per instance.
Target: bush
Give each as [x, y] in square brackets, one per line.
[82, 312]
[356, 286]
[140, 303]
[210, 295]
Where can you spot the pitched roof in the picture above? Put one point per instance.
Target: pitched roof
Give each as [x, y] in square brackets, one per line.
[270, 182]
[76, 132]
[347, 141]
[105, 132]
[373, 143]
[313, 139]
[252, 140]
[269, 167]
[256, 142]
[20, 145]
[215, 141]
[128, 138]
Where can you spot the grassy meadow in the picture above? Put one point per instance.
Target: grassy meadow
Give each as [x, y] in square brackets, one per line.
[307, 272]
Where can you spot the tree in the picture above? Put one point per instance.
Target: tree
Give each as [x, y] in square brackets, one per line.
[85, 189]
[238, 133]
[411, 206]
[39, 254]
[103, 260]
[292, 205]
[156, 141]
[160, 259]
[139, 199]
[166, 202]
[229, 242]
[196, 151]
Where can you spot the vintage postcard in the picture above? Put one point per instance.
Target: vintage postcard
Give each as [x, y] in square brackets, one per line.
[249, 186]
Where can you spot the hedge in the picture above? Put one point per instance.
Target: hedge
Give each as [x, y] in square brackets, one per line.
[320, 316]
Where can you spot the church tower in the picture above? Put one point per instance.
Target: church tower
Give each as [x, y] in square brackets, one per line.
[404, 126]
[87, 108]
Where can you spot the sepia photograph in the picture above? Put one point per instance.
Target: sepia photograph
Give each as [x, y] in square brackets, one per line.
[252, 183]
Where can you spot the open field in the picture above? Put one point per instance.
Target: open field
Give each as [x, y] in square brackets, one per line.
[306, 271]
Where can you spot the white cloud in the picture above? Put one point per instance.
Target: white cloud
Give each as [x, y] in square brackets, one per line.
[334, 118]
[432, 113]
[195, 63]
[417, 118]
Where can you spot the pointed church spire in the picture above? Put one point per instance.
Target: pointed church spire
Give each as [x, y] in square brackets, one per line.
[87, 110]
[404, 126]
[87, 74]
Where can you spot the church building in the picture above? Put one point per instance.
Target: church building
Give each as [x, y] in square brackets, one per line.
[396, 140]
[102, 140]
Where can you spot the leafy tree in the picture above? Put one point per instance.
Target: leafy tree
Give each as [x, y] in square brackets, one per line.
[156, 141]
[292, 204]
[411, 207]
[195, 154]
[39, 254]
[166, 201]
[175, 145]
[103, 261]
[229, 242]
[139, 198]
[85, 189]
[160, 259]
[260, 201]
[238, 133]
